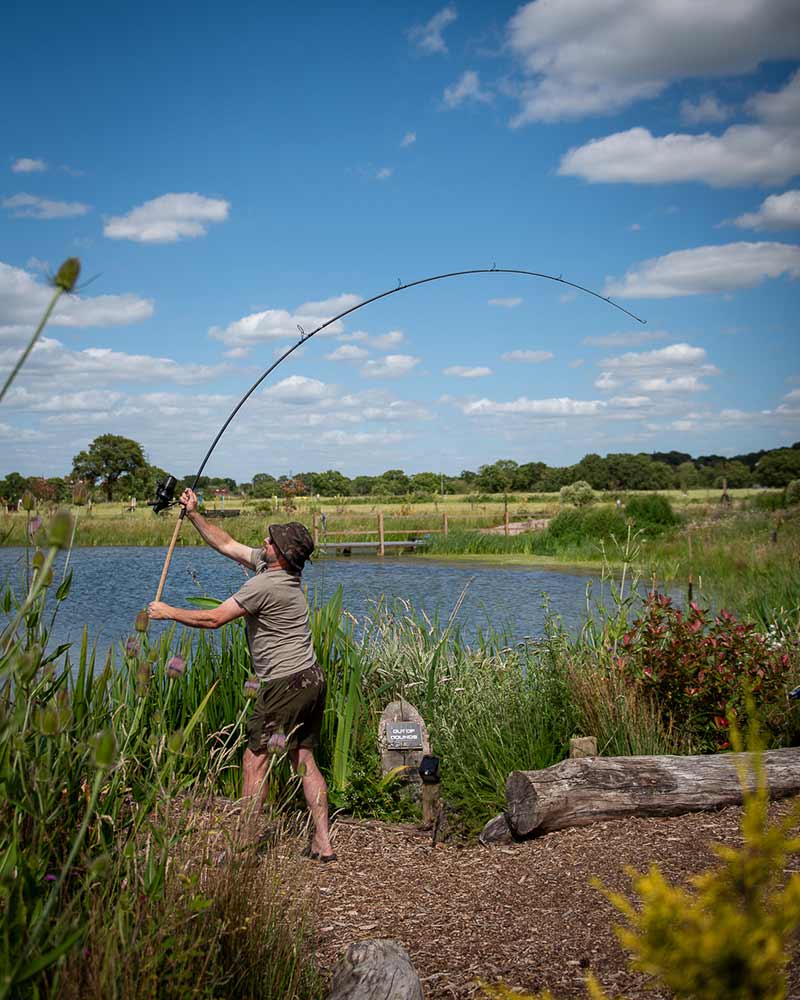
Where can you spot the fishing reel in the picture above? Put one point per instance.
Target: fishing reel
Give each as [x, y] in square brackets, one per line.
[165, 494]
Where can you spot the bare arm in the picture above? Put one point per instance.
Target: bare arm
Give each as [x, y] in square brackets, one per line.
[207, 618]
[213, 535]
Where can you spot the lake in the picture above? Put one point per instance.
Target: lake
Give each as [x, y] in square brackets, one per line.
[110, 585]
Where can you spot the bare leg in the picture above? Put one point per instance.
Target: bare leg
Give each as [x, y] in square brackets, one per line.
[255, 783]
[316, 794]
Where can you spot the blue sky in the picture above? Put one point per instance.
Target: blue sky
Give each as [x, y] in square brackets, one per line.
[231, 171]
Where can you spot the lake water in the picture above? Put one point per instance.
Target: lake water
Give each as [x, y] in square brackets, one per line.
[110, 585]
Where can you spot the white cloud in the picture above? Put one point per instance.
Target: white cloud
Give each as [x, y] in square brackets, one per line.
[634, 227]
[167, 219]
[767, 152]
[675, 370]
[707, 109]
[101, 365]
[428, 37]
[778, 211]
[466, 88]
[680, 383]
[630, 338]
[347, 352]
[280, 324]
[675, 354]
[462, 372]
[29, 206]
[408, 139]
[346, 439]
[707, 270]
[528, 357]
[597, 56]
[577, 363]
[560, 407]
[511, 303]
[298, 390]
[23, 300]
[385, 341]
[629, 402]
[384, 173]
[25, 165]
[392, 366]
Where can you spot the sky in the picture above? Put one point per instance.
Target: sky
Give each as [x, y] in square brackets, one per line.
[229, 173]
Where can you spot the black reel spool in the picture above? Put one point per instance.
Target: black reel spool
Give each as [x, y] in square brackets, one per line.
[165, 494]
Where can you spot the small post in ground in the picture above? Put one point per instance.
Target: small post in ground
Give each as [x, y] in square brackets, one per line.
[381, 545]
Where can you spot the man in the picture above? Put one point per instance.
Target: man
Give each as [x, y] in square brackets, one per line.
[288, 710]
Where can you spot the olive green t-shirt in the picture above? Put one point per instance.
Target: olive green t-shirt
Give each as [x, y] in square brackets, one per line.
[277, 621]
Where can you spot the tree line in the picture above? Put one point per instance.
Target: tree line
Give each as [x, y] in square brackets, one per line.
[118, 468]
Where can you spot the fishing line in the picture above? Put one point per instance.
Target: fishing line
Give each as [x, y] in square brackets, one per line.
[393, 291]
[165, 490]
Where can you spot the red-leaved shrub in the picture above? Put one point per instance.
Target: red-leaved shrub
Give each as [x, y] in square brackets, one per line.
[700, 668]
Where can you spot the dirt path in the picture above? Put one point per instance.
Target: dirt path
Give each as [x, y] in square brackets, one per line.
[524, 914]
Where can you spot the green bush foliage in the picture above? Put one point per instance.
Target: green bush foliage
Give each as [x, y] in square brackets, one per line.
[652, 514]
[793, 493]
[769, 500]
[579, 494]
[577, 527]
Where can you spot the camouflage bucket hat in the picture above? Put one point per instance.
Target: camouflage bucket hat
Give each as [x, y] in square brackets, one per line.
[294, 543]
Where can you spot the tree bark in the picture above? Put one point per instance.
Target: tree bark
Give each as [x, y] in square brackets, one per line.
[582, 791]
[375, 970]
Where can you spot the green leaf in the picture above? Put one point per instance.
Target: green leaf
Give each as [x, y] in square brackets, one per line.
[204, 602]
[51, 956]
[64, 587]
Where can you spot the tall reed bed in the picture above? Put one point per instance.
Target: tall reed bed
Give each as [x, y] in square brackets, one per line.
[107, 886]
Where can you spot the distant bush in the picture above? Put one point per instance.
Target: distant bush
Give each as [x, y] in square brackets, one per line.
[768, 501]
[652, 513]
[579, 494]
[576, 527]
[793, 493]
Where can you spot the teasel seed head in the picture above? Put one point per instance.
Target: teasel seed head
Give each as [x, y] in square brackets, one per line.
[176, 667]
[67, 275]
[60, 531]
[142, 622]
[251, 686]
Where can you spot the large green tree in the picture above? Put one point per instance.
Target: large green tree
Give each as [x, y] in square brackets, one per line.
[778, 467]
[107, 458]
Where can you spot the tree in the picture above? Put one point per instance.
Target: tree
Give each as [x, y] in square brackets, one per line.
[330, 484]
[13, 486]
[498, 477]
[393, 482]
[107, 458]
[426, 482]
[593, 470]
[778, 468]
[265, 485]
[528, 475]
[686, 476]
[361, 486]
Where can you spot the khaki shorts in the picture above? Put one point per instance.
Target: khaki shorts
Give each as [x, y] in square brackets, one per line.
[291, 705]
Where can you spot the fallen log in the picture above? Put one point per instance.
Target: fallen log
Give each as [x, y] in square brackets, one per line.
[586, 790]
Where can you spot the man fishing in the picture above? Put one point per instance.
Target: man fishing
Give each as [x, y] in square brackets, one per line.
[288, 711]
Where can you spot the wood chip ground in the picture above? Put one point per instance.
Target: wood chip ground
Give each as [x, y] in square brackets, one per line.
[524, 913]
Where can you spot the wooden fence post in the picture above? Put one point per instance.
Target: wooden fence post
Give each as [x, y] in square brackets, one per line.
[315, 529]
[505, 520]
[444, 524]
[381, 547]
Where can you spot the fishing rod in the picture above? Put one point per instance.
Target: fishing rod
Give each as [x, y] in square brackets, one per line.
[166, 489]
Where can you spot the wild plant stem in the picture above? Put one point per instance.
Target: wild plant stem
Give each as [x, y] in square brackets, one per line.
[56, 294]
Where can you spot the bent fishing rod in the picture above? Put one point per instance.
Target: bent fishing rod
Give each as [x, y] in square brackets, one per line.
[166, 489]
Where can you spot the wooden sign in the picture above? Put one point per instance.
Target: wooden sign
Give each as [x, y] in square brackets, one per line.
[403, 736]
[402, 739]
